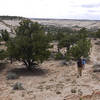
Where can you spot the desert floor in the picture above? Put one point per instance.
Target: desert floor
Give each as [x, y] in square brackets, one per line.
[52, 80]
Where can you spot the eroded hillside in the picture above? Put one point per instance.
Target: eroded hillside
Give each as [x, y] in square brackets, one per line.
[77, 24]
[74, 24]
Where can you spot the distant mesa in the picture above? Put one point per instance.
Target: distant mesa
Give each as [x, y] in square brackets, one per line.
[11, 18]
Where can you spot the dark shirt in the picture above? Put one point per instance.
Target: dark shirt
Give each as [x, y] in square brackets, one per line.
[79, 63]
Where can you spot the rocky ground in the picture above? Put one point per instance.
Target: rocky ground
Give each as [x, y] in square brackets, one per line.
[52, 80]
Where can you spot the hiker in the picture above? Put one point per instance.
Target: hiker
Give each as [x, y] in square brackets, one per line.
[80, 67]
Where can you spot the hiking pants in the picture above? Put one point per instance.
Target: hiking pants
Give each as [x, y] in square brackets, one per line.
[80, 71]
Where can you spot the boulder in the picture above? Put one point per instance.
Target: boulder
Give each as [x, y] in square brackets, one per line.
[96, 68]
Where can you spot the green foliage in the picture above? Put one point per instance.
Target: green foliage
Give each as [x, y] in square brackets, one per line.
[10, 17]
[92, 35]
[68, 40]
[66, 30]
[11, 48]
[5, 35]
[77, 45]
[68, 56]
[1, 39]
[98, 33]
[80, 98]
[54, 29]
[30, 44]
[3, 54]
[83, 33]
[81, 48]
[59, 56]
[59, 36]
[50, 37]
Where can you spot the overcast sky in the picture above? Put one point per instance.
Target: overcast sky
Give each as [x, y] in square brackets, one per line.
[64, 9]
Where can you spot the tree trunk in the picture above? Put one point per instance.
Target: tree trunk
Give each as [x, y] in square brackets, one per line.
[29, 68]
[28, 64]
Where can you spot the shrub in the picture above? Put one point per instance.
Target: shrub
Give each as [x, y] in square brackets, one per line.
[68, 56]
[80, 98]
[68, 63]
[18, 86]
[96, 68]
[59, 56]
[73, 91]
[5, 35]
[11, 76]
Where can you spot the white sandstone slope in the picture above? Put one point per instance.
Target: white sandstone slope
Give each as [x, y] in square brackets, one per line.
[69, 23]
[75, 24]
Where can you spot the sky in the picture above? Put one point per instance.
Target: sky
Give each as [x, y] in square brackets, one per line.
[57, 9]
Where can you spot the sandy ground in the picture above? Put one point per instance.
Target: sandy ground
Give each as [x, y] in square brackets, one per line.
[52, 81]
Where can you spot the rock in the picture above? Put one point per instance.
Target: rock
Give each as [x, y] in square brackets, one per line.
[73, 91]
[88, 61]
[11, 76]
[23, 95]
[80, 92]
[97, 43]
[96, 68]
[68, 63]
[58, 92]
[18, 86]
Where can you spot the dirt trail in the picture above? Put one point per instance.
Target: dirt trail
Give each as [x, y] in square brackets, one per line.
[89, 83]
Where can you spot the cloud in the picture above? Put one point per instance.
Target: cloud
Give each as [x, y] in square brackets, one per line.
[80, 9]
[91, 5]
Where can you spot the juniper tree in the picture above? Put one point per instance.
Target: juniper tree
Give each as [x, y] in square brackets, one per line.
[68, 40]
[5, 35]
[81, 48]
[98, 33]
[30, 44]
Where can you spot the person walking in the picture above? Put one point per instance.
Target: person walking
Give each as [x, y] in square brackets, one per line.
[79, 67]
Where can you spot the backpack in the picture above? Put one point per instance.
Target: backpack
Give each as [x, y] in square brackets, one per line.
[83, 61]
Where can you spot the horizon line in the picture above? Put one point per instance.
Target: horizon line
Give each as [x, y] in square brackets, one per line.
[54, 18]
[63, 19]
